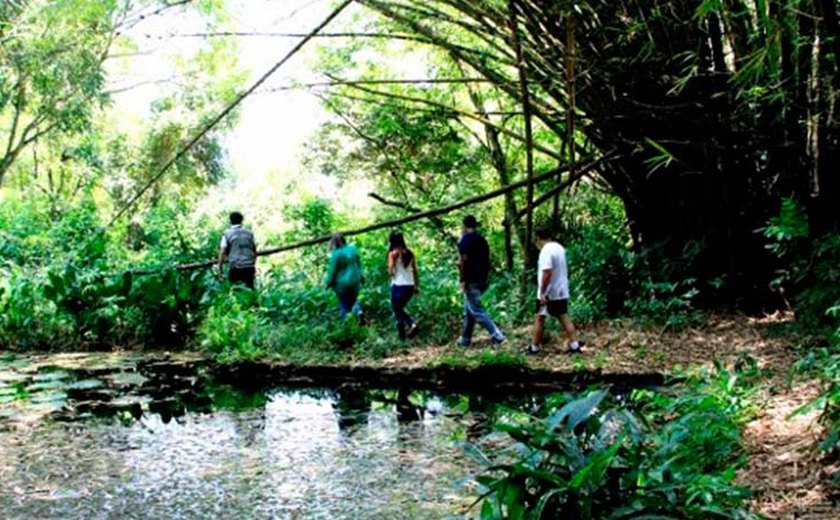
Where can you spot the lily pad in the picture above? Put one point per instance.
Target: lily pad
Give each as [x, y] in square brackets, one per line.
[52, 375]
[127, 379]
[85, 384]
[56, 384]
[49, 398]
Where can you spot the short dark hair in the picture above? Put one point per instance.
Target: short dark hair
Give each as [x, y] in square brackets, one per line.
[544, 233]
[236, 218]
[470, 222]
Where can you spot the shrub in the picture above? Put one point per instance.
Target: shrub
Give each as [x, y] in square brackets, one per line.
[234, 328]
[662, 455]
[825, 363]
[810, 272]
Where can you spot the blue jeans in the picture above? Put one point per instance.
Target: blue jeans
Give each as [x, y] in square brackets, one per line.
[348, 303]
[474, 313]
[400, 296]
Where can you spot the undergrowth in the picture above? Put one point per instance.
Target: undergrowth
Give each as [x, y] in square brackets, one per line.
[653, 454]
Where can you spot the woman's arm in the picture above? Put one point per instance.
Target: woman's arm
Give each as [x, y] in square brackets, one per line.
[331, 272]
[416, 277]
[392, 263]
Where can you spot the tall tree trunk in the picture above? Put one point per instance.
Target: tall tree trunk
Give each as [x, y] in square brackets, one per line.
[570, 109]
[825, 181]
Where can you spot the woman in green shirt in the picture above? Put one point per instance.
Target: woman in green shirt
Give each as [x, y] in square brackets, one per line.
[345, 276]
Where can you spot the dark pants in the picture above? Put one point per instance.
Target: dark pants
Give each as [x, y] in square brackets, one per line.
[400, 296]
[242, 275]
[348, 303]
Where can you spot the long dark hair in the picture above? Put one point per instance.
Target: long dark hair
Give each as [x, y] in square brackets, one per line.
[336, 241]
[397, 241]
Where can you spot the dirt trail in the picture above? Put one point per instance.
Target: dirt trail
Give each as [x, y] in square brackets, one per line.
[624, 348]
[784, 469]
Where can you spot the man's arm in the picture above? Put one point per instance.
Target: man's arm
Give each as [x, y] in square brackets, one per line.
[222, 252]
[544, 283]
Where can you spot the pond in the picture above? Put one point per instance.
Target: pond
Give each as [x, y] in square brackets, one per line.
[129, 436]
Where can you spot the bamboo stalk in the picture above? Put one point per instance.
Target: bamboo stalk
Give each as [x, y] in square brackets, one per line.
[570, 108]
[529, 144]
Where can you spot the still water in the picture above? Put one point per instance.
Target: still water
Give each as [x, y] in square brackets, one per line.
[117, 436]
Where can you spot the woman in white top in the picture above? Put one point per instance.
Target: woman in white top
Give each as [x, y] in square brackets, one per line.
[402, 266]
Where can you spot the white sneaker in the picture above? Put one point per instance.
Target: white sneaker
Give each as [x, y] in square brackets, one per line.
[532, 349]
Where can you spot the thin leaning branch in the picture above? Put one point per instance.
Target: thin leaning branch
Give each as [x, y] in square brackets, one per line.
[224, 113]
[325, 35]
[547, 151]
[436, 221]
[545, 197]
[379, 101]
[338, 83]
[551, 174]
[478, 62]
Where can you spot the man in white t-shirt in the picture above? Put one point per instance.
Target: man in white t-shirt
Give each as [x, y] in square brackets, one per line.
[552, 291]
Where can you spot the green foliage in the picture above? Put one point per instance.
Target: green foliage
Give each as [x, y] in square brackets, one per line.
[662, 455]
[480, 358]
[27, 319]
[233, 328]
[810, 276]
[787, 228]
[824, 363]
[593, 230]
[810, 271]
[663, 295]
[291, 315]
[51, 68]
[64, 287]
[314, 217]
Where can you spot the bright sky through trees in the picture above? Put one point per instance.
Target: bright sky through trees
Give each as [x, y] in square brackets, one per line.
[272, 126]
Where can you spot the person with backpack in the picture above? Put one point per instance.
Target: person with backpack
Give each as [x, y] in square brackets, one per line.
[345, 276]
[474, 266]
[402, 266]
[239, 249]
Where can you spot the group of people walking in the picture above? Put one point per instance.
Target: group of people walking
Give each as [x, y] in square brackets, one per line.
[345, 277]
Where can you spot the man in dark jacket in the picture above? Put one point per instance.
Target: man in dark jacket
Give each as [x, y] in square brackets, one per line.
[240, 250]
[474, 264]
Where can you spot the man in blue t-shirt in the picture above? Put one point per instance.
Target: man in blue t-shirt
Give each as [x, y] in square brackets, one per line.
[474, 265]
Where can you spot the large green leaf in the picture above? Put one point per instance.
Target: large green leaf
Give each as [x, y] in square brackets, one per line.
[577, 411]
